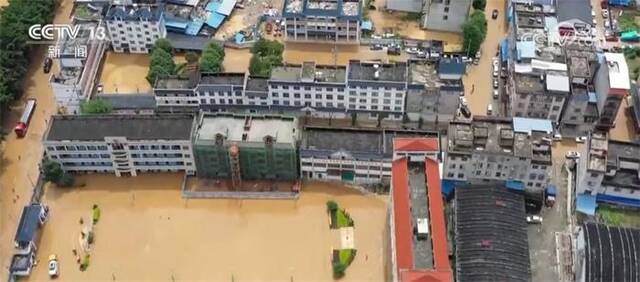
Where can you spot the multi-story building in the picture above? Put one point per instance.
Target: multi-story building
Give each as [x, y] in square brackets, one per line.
[78, 62]
[612, 84]
[445, 15]
[322, 21]
[246, 147]
[539, 95]
[135, 28]
[499, 149]
[121, 144]
[580, 111]
[608, 171]
[352, 155]
[433, 90]
[411, 6]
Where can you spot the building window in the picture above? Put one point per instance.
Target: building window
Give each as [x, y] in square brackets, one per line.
[445, 17]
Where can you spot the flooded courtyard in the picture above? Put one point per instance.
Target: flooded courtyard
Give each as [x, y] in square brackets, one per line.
[167, 238]
[125, 73]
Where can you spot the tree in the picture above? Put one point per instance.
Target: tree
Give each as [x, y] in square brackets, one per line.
[479, 4]
[67, 180]
[163, 44]
[266, 55]
[191, 57]
[212, 58]
[474, 31]
[96, 106]
[52, 171]
[161, 65]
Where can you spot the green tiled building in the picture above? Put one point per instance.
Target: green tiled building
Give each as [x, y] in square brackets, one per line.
[265, 146]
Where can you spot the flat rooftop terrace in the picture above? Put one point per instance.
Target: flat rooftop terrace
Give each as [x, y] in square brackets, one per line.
[329, 8]
[309, 72]
[377, 71]
[250, 128]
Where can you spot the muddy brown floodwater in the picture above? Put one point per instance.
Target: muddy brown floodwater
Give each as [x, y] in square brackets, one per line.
[147, 232]
[125, 73]
[18, 166]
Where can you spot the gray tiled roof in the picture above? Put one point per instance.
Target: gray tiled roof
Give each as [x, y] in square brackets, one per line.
[133, 127]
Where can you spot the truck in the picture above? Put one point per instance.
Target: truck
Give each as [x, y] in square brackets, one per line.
[23, 123]
[550, 193]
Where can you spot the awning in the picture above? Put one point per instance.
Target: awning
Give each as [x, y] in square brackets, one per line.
[586, 204]
[504, 50]
[515, 185]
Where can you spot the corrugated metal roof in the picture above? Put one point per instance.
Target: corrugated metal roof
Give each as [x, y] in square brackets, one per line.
[226, 7]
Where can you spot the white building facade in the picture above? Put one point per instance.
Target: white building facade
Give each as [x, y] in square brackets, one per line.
[107, 149]
[135, 28]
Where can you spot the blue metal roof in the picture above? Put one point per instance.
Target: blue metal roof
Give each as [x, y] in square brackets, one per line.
[175, 24]
[586, 204]
[451, 66]
[212, 6]
[531, 124]
[226, 7]
[618, 200]
[215, 20]
[515, 185]
[194, 27]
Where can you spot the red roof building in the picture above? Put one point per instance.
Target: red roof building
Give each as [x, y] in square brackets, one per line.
[407, 261]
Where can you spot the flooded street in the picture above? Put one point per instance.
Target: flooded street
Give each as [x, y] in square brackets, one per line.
[18, 166]
[410, 28]
[236, 60]
[624, 130]
[125, 73]
[480, 75]
[168, 238]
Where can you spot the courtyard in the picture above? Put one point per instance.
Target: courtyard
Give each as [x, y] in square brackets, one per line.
[125, 73]
[147, 232]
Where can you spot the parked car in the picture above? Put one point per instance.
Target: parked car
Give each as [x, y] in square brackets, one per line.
[572, 155]
[496, 94]
[376, 36]
[581, 139]
[557, 137]
[99, 88]
[489, 109]
[534, 219]
[495, 84]
[605, 13]
[393, 50]
[48, 62]
[54, 269]
[412, 50]
[494, 14]
[375, 47]
[463, 101]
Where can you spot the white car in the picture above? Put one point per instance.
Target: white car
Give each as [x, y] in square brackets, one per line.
[412, 50]
[463, 101]
[54, 269]
[605, 14]
[572, 155]
[557, 137]
[496, 93]
[495, 84]
[607, 24]
[534, 219]
[581, 139]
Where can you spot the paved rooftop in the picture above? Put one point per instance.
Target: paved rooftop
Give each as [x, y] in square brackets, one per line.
[377, 71]
[249, 128]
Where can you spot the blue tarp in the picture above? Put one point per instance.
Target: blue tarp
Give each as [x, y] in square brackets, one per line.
[194, 27]
[239, 38]
[366, 26]
[593, 98]
[586, 204]
[515, 185]
[526, 125]
[504, 50]
[215, 20]
[610, 199]
[449, 186]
